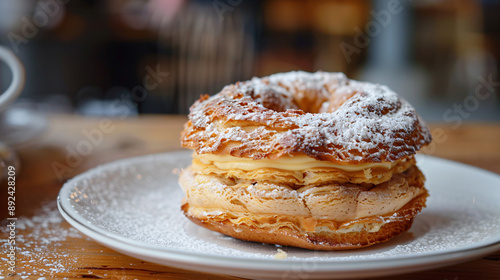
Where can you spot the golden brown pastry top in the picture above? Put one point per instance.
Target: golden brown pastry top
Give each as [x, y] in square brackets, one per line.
[323, 115]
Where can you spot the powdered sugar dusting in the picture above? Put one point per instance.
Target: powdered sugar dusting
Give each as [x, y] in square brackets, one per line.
[39, 241]
[371, 122]
[139, 199]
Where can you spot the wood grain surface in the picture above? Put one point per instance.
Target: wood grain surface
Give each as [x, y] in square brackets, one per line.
[49, 247]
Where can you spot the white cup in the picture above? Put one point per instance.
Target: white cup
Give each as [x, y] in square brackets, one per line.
[17, 84]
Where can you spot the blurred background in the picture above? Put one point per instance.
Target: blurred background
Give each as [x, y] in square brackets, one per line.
[123, 58]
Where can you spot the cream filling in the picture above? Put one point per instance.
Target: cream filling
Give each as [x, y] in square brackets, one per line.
[295, 163]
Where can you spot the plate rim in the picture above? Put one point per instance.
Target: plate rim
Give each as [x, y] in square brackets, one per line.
[246, 262]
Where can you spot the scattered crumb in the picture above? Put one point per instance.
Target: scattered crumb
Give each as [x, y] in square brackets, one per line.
[281, 255]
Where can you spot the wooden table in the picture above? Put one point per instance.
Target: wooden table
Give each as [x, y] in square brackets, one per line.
[50, 247]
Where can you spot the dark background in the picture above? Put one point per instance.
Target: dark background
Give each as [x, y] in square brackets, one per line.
[83, 55]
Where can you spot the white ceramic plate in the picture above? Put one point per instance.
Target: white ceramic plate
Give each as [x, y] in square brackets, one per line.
[132, 206]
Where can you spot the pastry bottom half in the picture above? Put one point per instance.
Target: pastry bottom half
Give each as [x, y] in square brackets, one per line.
[324, 217]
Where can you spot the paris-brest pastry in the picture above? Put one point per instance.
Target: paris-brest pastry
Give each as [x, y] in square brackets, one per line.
[311, 160]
